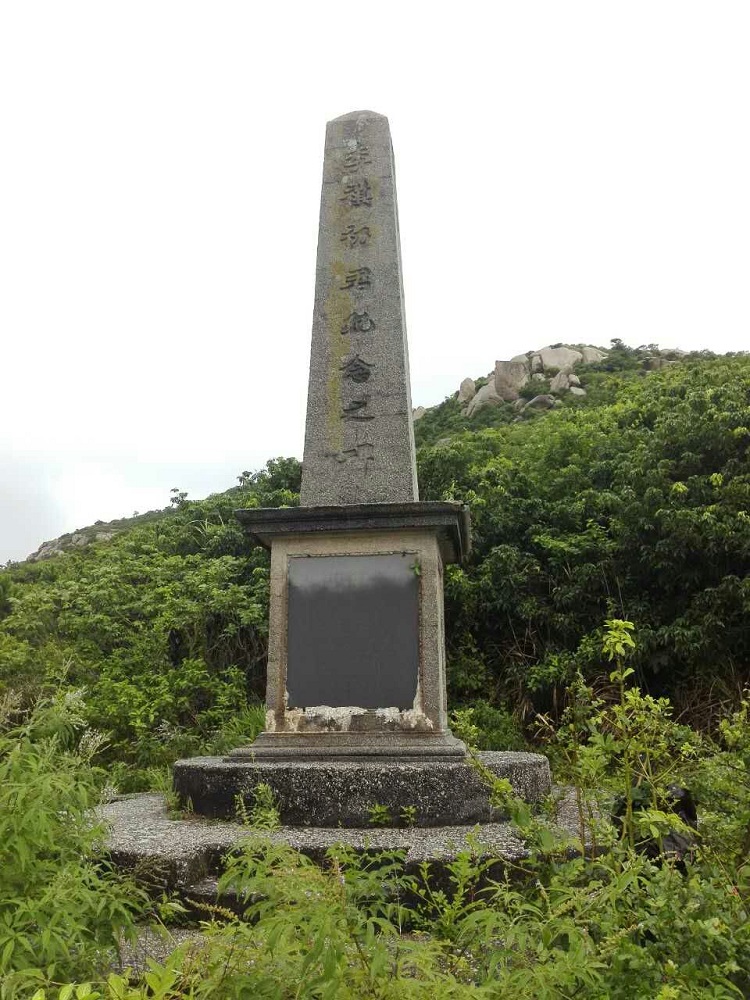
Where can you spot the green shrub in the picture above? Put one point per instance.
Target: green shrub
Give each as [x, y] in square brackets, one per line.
[498, 729]
[61, 908]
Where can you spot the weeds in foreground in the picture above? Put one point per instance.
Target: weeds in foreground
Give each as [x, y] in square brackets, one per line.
[591, 916]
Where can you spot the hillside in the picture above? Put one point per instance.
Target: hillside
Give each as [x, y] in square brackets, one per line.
[631, 501]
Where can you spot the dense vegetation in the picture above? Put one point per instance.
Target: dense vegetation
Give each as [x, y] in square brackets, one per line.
[634, 502]
[631, 916]
[631, 503]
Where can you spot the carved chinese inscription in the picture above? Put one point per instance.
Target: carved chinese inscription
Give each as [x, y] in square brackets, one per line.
[358, 278]
[359, 322]
[356, 369]
[358, 155]
[361, 455]
[354, 237]
[357, 193]
[355, 409]
[359, 392]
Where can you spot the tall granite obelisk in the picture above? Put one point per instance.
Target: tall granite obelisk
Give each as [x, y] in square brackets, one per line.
[356, 708]
[359, 439]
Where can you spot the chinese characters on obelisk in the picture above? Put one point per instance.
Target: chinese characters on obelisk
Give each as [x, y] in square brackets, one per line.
[359, 444]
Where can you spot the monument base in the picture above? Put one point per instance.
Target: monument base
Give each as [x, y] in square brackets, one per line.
[366, 745]
[342, 793]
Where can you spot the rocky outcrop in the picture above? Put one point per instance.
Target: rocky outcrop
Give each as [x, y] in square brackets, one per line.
[66, 543]
[542, 402]
[510, 376]
[511, 381]
[592, 355]
[467, 390]
[561, 382]
[559, 357]
[418, 413]
[486, 396]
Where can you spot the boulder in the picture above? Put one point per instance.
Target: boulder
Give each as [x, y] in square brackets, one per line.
[591, 355]
[537, 377]
[573, 379]
[543, 402]
[418, 413]
[486, 396]
[510, 376]
[576, 390]
[654, 363]
[522, 359]
[561, 381]
[467, 390]
[559, 357]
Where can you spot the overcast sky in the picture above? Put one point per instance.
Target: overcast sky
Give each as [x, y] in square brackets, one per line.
[566, 172]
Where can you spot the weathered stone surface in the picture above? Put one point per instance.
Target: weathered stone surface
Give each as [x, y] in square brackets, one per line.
[592, 355]
[356, 653]
[467, 390]
[182, 853]
[559, 357]
[419, 413]
[341, 792]
[187, 855]
[486, 396]
[561, 381]
[541, 402]
[352, 531]
[576, 390]
[447, 518]
[510, 376]
[322, 733]
[573, 379]
[359, 440]
[74, 540]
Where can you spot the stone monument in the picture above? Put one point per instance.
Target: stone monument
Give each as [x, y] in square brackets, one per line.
[356, 696]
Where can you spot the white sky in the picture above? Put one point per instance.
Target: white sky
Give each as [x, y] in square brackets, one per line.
[566, 172]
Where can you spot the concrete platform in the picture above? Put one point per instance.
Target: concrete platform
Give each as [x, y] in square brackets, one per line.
[341, 793]
[186, 855]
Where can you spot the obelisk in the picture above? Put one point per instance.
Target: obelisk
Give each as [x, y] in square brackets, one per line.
[359, 439]
[356, 705]
[356, 660]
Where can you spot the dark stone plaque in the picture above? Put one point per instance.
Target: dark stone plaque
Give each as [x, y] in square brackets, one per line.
[353, 631]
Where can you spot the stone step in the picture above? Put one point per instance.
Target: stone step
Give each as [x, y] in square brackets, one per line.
[339, 792]
[185, 855]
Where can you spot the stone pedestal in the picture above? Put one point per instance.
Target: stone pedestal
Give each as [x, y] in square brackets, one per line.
[356, 638]
[341, 793]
